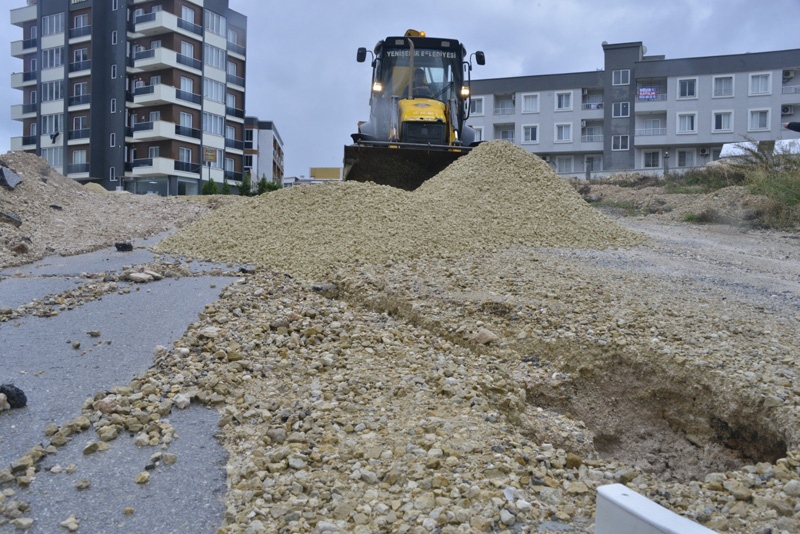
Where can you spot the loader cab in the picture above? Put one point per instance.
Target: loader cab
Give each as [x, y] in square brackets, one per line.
[417, 67]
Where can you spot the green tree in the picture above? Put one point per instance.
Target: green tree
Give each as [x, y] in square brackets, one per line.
[246, 188]
[210, 187]
[263, 186]
[226, 187]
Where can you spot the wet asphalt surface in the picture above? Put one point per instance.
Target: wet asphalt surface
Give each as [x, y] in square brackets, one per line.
[37, 355]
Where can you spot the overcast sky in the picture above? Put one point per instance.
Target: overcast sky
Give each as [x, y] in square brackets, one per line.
[302, 72]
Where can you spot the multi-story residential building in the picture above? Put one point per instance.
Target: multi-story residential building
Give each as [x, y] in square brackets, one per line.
[142, 95]
[263, 150]
[642, 112]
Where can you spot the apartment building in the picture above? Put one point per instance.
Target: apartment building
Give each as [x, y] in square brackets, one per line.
[644, 113]
[263, 150]
[142, 95]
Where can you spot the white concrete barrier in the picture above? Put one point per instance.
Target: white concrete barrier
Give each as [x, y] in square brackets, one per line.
[620, 510]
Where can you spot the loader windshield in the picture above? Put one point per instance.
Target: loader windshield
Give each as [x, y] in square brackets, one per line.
[432, 74]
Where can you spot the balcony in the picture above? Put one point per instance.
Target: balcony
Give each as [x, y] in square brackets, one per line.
[23, 111]
[188, 97]
[148, 167]
[650, 96]
[80, 66]
[790, 90]
[79, 100]
[83, 31]
[234, 144]
[22, 15]
[20, 48]
[190, 26]
[188, 131]
[163, 22]
[78, 168]
[235, 48]
[190, 62]
[153, 131]
[504, 111]
[82, 133]
[159, 58]
[233, 176]
[235, 80]
[23, 79]
[187, 166]
[592, 105]
[234, 112]
[597, 138]
[650, 131]
[27, 142]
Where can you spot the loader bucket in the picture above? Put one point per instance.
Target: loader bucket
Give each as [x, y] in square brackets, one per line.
[399, 166]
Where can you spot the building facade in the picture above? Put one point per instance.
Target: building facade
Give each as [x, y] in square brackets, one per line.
[643, 113]
[263, 150]
[142, 95]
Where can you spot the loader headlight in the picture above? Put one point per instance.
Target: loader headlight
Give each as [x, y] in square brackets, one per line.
[464, 91]
[377, 87]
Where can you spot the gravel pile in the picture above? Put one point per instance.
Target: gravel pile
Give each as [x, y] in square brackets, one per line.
[497, 195]
[476, 356]
[59, 216]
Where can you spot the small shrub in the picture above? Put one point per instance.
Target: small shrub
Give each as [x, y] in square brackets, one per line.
[209, 188]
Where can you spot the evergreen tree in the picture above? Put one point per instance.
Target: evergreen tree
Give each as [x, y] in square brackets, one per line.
[210, 187]
[246, 188]
[226, 187]
[263, 186]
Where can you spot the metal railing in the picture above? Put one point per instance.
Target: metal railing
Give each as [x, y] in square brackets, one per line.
[790, 90]
[80, 65]
[190, 26]
[29, 108]
[188, 131]
[79, 99]
[28, 76]
[29, 43]
[77, 167]
[80, 32]
[651, 98]
[29, 140]
[238, 80]
[82, 133]
[592, 105]
[235, 112]
[144, 90]
[187, 166]
[190, 62]
[143, 126]
[651, 131]
[233, 143]
[235, 48]
[143, 162]
[147, 17]
[189, 97]
[144, 54]
[592, 138]
[503, 111]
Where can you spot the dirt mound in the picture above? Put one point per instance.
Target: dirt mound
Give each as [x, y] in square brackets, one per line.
[496, 196]
[52, 214]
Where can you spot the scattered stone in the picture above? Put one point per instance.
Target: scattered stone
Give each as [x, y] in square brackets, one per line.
[124, 246]
[14, 396]
[143, 477]
[71, 523]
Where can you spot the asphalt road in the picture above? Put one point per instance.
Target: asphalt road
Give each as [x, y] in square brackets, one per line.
[37, 355]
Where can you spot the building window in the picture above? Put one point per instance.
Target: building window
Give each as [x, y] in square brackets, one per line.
[478, 134]
[79, 157]
[621, 109]
[155, 116]
[651, 159]
[213, 124]
[564, 101]
[185, 155]
[52, 124]
[530, 133]
[80, 55]
[687, 123]
[216, 24]
[723, 86]
[53, 24]
[114, 72]
[186, 119]
[564, 164]
[759, 120]
[53, 91]
[217, 162]
[759, 84]
[114, 5]
[723, 121]
[214, 57]
[187, 14]
[114, 37]
[685, 158]
[230, 100]
[82, 20]
[248, 161]
[507, 134]
[52, 57]
[530, 103]
[621, 77]
[563, 133]
[619, 142]
[687, 88]
[112, 174]
[112, 140]
[113, 105]
[213, 90]
[79, 122]
[53, 156]
[653, 127]
[33, 97]
[187, 49]
[476, 105]
[155, 80]
[152, 152]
